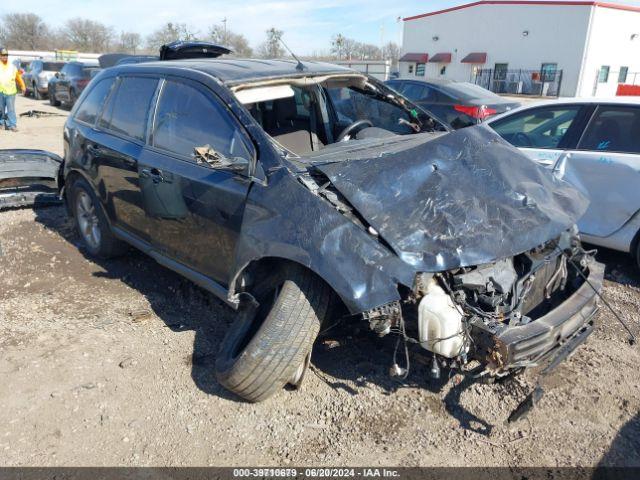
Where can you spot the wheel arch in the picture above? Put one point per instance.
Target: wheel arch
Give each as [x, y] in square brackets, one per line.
[257, 269]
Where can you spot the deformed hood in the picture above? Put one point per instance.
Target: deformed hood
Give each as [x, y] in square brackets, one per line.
[460, 199]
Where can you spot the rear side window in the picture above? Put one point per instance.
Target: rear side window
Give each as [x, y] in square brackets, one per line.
[538, 127]
[613, 129]
[186, 118]
[92, 104]
[128, 110]
[415, 92]
[52, 66]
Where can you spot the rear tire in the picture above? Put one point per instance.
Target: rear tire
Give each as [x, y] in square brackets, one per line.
[91, 222]
[269, 345]
[52, 99]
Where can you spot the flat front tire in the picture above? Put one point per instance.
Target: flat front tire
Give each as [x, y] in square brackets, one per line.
[269, 345]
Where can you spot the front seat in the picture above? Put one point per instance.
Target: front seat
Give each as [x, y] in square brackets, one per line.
[290, 130]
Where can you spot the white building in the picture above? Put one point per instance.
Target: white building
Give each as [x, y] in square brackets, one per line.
[521, 46]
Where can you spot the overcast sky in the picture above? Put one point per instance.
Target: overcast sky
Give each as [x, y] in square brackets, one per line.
[308, 24]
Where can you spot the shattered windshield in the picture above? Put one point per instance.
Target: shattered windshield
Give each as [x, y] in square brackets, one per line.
[305, 117]
[351, 104]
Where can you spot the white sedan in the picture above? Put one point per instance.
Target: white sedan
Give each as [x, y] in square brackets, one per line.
[595, 145]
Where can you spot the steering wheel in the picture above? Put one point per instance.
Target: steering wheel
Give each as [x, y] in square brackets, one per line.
[354, 126]
[521, 139]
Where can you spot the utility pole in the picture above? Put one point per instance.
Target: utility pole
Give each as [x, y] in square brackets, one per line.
[225, 39]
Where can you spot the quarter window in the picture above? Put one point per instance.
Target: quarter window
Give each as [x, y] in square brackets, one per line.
[613, 129]
[186, 118]
[537, 128]
[128, 110]
[92, 104]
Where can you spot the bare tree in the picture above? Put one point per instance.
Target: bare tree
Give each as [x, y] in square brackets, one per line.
[272, 47]
[24, 31]
[168, 33]
[391, 51]
[337, 45]
[130, 42]
[237, 42]
[350, 48]
[87, 35]
[368, 51]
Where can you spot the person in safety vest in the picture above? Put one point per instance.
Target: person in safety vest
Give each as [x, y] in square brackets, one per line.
[10, 81]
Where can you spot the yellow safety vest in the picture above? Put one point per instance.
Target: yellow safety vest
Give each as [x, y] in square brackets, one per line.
[8, 73]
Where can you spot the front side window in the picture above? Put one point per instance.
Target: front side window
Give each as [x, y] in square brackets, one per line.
[420, 70]
[537, 128]
[186, 119]
[613, 129]
[92, 104]
[128, 109]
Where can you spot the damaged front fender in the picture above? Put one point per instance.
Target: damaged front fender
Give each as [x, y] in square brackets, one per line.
[285, 221]
[28, 177]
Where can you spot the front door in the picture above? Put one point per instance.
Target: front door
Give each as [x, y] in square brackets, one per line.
[195, 206]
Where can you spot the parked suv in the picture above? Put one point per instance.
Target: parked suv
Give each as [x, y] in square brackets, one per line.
[302, 193]
[69, 83]
[36, 79]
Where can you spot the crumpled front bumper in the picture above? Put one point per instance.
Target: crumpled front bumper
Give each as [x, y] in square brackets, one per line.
[28, 177]
[523, 345]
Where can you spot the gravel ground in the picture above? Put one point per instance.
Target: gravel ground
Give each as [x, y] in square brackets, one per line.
[111, 363]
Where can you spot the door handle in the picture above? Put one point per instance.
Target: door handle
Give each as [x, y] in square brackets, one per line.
[93, 149]
[152, 173]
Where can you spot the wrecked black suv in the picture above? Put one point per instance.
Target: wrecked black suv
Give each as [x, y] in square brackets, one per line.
[298, 192]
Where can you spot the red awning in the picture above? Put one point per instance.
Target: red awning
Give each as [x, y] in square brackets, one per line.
[415, 57]
[441, 58]
[475, 57]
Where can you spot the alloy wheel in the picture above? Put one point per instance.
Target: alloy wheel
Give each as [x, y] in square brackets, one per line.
[88, 220]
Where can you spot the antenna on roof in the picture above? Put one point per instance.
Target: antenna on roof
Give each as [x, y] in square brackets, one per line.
[300, 66]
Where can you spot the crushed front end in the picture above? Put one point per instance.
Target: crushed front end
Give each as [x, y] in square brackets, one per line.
[28, 177]
[503, 316]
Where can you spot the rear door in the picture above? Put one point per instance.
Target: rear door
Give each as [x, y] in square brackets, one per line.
[606, 165]
[118, 144]
[195, 208]
[544, 133]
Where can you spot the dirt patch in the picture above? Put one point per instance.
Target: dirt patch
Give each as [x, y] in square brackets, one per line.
[111, 363]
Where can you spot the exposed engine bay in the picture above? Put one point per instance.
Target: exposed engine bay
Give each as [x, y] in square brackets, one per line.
[461, 314]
